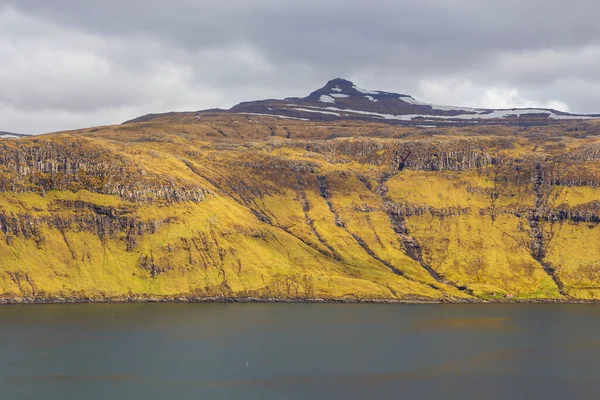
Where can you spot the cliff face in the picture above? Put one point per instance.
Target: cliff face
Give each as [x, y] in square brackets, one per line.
[237, 206]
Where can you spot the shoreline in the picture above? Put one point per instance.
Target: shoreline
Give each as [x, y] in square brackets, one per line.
[184, 299]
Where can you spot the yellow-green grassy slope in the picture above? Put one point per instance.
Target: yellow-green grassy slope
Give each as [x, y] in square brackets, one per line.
[225, 208]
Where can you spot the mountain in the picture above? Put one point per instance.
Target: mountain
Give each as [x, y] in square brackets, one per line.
[230, 205]
[341, 99]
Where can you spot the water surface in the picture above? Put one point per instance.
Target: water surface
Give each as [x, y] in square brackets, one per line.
[299, 351]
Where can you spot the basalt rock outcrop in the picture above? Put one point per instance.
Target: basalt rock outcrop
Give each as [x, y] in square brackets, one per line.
[41, 166]
[231, 205]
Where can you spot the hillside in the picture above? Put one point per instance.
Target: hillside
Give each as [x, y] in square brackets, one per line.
[228, 204]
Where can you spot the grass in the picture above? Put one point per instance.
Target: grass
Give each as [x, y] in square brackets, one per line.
[264, 228]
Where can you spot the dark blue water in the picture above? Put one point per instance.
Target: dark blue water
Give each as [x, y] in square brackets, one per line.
[299, 351]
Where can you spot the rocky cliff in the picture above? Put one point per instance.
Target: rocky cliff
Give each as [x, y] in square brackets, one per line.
[224, 205]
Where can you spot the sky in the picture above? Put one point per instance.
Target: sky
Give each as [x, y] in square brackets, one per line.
[67, 64]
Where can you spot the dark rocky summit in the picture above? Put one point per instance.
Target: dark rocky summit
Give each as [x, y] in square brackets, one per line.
[341, 99]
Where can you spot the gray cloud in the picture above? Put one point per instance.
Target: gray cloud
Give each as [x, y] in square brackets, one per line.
[67, 64]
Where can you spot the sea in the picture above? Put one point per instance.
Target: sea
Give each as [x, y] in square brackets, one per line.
[263, 351]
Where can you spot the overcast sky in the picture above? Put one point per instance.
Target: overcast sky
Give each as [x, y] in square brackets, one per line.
[75, 63]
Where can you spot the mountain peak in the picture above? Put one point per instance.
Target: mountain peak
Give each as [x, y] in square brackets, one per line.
[339, 82]
[342, 99]
[343, 87]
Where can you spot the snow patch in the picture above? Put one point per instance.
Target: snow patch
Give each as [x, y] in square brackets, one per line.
[368, 113]
[410, 100]
[452, 108]
[477, 114]
[338, 95]
[336, 89]
[373, 99]
[326, 99]
[364, 91]
[318, 111]
[276, 116]
[500, 114]
[559, 116]
[482, 114]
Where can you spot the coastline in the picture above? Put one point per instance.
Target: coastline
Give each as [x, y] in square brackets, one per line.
[185, 299]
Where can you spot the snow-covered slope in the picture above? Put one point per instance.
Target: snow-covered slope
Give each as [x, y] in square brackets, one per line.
[342, 99]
